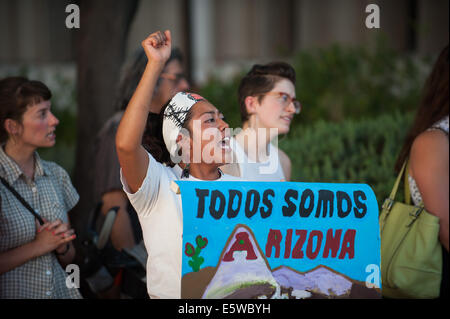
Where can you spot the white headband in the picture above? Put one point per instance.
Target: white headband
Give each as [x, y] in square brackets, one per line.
[175, 116]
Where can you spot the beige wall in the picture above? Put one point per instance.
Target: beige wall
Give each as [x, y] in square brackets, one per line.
[433, 25]
[156, 15]
[33, 31]
[224, 33]
[248, 29]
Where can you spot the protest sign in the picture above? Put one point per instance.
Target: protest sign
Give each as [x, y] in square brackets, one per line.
[279, 240]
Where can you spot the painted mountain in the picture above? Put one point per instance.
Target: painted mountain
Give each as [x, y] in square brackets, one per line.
[320, 283]
[244, 273]
[321, 280]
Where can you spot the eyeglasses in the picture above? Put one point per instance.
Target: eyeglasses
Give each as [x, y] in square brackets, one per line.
[286, 100]
[175, 77]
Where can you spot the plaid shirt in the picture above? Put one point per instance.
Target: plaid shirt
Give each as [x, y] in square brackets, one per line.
[52, 195]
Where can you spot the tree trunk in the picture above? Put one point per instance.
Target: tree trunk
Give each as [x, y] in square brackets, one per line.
[100, 51]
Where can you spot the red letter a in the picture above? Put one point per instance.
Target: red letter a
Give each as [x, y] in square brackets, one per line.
[242, 242]
[348, 244]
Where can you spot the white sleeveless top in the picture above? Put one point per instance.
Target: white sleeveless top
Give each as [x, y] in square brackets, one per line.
[415, 194]
[250, 170]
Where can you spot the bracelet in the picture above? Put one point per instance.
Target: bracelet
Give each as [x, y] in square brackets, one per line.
[65, 251]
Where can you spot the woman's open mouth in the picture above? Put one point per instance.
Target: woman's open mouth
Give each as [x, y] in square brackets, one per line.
[288, 119]
[225, 143]
[51, 135]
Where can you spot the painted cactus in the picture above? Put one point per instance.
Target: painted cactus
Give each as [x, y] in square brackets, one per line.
[196, 261]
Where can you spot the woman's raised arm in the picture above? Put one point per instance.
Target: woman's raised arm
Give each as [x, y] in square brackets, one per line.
[132, 156]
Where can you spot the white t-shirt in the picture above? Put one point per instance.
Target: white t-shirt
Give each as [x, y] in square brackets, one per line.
[160, 214]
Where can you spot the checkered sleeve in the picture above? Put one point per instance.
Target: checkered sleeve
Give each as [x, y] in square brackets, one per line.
[69, 194]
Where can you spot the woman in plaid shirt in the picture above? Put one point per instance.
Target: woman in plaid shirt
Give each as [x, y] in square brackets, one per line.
[32, 256]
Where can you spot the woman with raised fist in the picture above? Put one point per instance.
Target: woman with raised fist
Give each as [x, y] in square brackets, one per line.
[190, 142]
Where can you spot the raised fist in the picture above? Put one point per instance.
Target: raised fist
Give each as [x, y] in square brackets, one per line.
[157, 46]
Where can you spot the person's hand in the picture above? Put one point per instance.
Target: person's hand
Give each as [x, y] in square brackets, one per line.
[157, 47]
[58, 228]
[53, 236]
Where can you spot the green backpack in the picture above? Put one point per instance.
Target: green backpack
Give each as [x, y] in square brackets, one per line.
[411, 254]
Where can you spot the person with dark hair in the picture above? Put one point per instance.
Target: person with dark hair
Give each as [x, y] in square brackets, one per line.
[31, 254]
[148, 183]
[427, 147]
[267, 104]
[126, 231]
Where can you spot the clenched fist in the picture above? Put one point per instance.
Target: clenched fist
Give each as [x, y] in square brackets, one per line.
[157, 46]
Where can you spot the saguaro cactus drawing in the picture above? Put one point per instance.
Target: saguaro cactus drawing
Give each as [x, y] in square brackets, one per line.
[196, 261]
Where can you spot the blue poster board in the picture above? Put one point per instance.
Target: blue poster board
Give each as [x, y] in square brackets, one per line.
[279, 240]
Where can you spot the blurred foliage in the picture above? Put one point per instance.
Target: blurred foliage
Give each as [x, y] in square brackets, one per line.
[356, 82]
[353, 151]
[340, 82]
[224, 96]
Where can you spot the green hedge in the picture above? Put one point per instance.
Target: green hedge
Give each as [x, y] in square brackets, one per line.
[340, 82]
[354, 151]
[224, 95]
